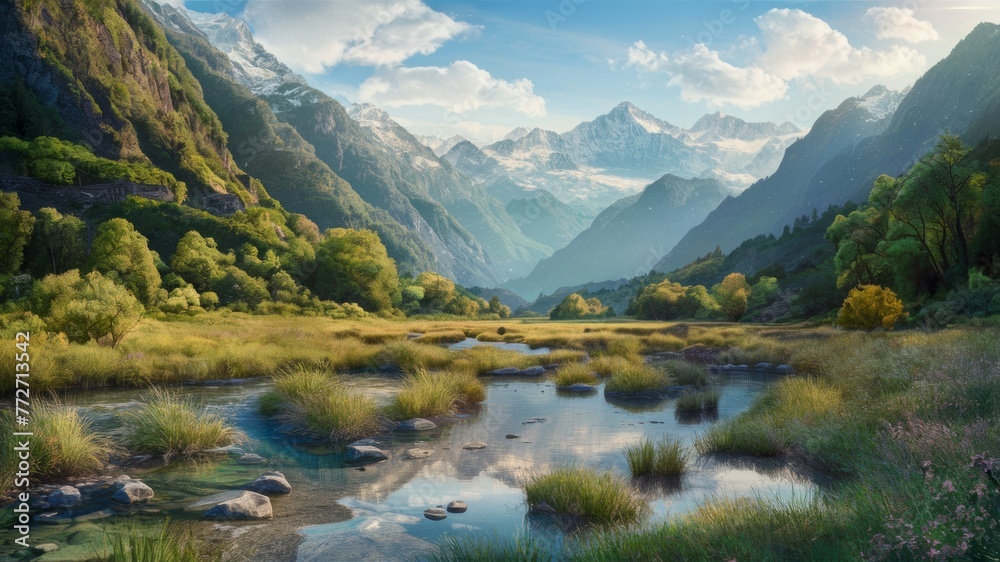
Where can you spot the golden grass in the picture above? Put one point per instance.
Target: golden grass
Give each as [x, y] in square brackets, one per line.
[574, 373]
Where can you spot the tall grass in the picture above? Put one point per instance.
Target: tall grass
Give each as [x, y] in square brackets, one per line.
[745, 436]
[429, 394]
[64, 443]
[687, 374]
[167, 425]
[607, 366]
[574, 373]
[131, 541]
[521, 547]
[314, 402]
[637, 377]
[692, 402]
[665, 458]
[586, 496]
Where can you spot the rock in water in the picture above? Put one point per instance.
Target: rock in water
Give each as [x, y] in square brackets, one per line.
[457, 506]
[65, 497]
[474, 446]
[247, 505]
[367, 453]
[271, 484]
[419, 453]
[131, 492]
[416, 424]
[435, 514]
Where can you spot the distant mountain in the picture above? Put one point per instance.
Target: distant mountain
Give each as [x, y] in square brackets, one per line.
[629, 237]
[478, 211]
[517, 133]
[851, 146]
[599, 161]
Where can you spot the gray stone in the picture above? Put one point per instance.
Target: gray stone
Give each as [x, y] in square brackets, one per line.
[65, 497]
[47, 547]
[416, 424]
[247, 505]
[132, 492]
[271, 484]
[474, 446]
[418, 453]
[250, 458]
[762, 366]
[511, 436]
[366, 443]
[580, 387]
[51, 518]
[213, 500]
[784, 369]
[506, 371]
[457, 506]
[93, 515]
[535, 371]
[365, 453]
[435, 514]
[544, 509]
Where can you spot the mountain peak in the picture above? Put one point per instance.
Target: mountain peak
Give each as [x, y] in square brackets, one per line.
[517, 134]
[369, 114]
[880, 102]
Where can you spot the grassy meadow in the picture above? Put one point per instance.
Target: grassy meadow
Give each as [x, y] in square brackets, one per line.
[905, 424]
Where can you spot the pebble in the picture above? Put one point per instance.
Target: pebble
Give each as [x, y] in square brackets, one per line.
[457, 506]
[435, 514]
[474, 446]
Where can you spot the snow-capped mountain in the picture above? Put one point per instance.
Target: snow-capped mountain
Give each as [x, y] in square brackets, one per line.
[516, 133]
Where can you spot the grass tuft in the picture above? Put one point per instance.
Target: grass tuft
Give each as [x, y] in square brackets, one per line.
[430, 394]
[743, 436]
[692, 402]
[484, 547]
[637, 377]
[666, 458]
[167, 425]
[586, 496]
[687, 374]
[574, 373]
[131, 541]
[64, 443]
[313, 402]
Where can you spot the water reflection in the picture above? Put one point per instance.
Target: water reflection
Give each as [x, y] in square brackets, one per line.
[510, 346]
[338, 512]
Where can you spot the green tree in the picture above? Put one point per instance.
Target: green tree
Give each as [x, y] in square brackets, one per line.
[575, 307]
[199, 261]
[122, 254]
[90, 308]
[58, 243]
[353, 266]
[733, 295]
[762, 293]
[868, 307]
[15, 232]
[672, 301]
[438, 290]
[498, 308]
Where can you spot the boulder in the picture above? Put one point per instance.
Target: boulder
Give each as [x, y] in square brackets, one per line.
[270, 484]
[356, 453]
[457, 506]
[763, 366]
[366, 443]
[247, 505]
[416, 424]
[65, 497]
[435, 514]
[511, 436]
[131, 492]
[535, 371]
[474, 446]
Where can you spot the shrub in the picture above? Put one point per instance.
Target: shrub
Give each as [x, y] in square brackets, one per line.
[586, 496]
[733, 295]
[167, 425]
[868, 307]
[666, 458]
[575, 307]
[519, 547]
[741, 436]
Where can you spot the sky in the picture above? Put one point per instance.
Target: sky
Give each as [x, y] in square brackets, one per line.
[481, 68]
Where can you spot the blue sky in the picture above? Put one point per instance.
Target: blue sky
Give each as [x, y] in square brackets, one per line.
[481, 68]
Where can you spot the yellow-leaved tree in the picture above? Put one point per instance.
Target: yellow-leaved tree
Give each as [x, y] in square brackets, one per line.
[870, 306]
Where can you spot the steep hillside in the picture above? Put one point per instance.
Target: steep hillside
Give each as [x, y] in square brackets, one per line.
[381, 177]
[770, 204]
[275, 153]
[629, 237]
[118, 87]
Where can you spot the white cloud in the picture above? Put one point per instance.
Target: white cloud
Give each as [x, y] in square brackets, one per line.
[800, 45]
[703, 76]
[459, 88]
[900, 23]
[643, 59]
[314, 35]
